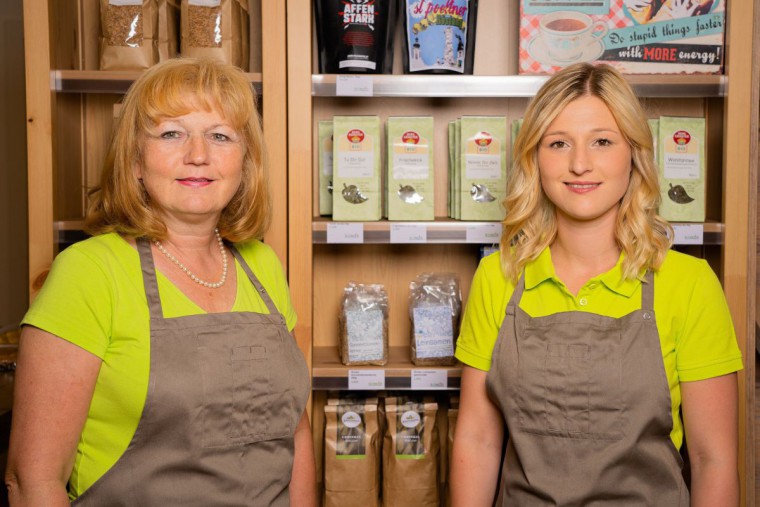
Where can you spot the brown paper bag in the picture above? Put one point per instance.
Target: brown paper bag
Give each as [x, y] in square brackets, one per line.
[217, 29]
[452, 414]
[128, 34]
[168, 29]
[352, 453]
[410, 453]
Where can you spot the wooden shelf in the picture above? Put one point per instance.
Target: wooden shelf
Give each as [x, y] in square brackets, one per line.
[325, 85]
[448, 231]
[100, 81]
[329, 373]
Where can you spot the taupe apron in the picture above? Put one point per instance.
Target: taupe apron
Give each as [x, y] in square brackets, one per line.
[225, 393]
[587, 405]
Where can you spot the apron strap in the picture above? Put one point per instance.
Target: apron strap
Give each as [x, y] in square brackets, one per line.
[149, 278]
[255, 281]
[514, 300]
[647, 291]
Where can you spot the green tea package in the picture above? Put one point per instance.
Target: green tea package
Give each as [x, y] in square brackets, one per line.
[457, 168]
[411, 175]
[516, 126]
[364, 325]
[353, 446]
[325, 166]
[435, 303]
[450, 172]
[682, 169]
[483, 167]
[217, 29]
[410, 453]
[357, 178]
[654, 126]
[129, 29]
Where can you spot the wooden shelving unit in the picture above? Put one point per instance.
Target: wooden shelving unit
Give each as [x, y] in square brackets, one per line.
[70, 112]
[328, 373]
[70, 107]
[319, 269]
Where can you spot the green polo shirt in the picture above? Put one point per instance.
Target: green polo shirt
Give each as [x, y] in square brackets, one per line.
[696, 333]
[94, 298]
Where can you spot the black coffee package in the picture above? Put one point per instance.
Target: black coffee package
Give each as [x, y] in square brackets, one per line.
[355, 36]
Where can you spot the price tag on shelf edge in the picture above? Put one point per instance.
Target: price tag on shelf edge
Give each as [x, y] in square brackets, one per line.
[689, 234]
[354, 86]
[366, 380]
[408, 233]
[339, 232]
[429, 379]
[483, 233]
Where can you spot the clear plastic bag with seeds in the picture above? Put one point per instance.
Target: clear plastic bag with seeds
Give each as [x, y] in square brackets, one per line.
[217, 29]
[435, 303]
[364, 325]
[128, 34]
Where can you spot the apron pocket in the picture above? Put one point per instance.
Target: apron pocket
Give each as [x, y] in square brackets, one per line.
[569, 382]
[236, 391]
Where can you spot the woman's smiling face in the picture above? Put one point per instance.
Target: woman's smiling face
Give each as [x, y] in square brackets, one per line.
[191, 165]
[584, 162]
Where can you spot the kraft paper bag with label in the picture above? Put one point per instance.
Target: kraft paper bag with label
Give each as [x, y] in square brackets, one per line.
[410, 453]
[352, 453]
[217, 29]
[129, 29]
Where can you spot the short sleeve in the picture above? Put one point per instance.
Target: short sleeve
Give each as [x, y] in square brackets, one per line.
[480, 324]
[706, 346]
[75, 303]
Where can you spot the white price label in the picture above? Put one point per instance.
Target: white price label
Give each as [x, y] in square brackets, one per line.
[408, 233]
[429, 379]
[689, 234]
[353, 86]
[483, 233]
[345, 233]
[366, 379]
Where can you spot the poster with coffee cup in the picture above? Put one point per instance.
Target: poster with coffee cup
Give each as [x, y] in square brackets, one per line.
[634, 36]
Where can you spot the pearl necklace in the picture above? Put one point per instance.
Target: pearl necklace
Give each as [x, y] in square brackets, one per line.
[210, 285]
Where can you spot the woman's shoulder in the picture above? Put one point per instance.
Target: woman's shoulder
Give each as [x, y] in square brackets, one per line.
[100, 248]
[682, 272]
[681, 264]
[257, 251]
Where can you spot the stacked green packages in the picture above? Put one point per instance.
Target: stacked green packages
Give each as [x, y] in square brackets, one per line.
[410, 179]
[357, 178]
[681, 149]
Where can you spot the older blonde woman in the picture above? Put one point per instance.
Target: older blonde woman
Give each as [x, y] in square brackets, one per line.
[156, 366]
[586, 337]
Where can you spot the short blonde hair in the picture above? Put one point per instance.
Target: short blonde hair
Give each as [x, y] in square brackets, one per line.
[530, 224]
[120, 204]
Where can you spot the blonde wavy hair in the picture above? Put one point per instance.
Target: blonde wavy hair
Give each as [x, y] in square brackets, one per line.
[530, 224]
[170, 89]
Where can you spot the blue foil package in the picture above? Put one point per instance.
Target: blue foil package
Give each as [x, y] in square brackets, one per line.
[439, 36]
